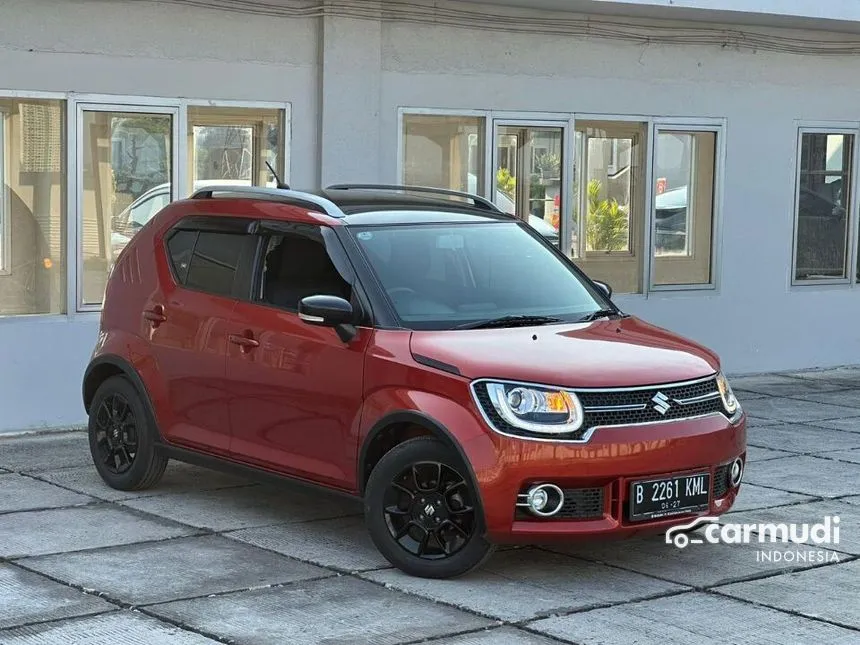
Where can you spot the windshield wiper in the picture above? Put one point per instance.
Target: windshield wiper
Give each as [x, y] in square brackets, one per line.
[510, 321]
[600, 313]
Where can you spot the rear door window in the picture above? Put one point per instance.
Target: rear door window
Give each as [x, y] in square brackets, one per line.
[214, 262]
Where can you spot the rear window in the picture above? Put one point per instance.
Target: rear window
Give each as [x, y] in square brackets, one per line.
[214, 262]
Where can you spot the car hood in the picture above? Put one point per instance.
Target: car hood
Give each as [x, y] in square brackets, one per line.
[609, 353]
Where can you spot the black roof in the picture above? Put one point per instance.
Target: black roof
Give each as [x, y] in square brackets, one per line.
[368, 206]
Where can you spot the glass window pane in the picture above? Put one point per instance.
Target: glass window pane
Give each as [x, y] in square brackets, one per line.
[214, 262]
[823, 206]
[609, 213]
[181, 246]
[528, 176]
[685, 170]
[32, 207]
[231, 145]
[444, 152]
[126, 164]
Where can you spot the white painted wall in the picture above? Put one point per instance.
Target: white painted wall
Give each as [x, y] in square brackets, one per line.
[345, 89]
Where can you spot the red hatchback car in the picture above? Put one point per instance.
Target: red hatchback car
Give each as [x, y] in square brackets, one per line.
[414, 347]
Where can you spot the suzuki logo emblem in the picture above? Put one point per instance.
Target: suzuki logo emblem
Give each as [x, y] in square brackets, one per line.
[661, 403]
[429, 510]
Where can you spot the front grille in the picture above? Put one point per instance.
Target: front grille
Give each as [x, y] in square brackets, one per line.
[579, 504]
[721, 481]
[624, 407]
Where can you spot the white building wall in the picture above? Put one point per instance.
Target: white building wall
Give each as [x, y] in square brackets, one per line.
[346, 79]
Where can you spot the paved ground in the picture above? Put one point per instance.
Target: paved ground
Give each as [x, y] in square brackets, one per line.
[209, 558]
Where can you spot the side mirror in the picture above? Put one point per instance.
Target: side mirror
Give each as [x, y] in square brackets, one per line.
[605, 287]
[329, 311]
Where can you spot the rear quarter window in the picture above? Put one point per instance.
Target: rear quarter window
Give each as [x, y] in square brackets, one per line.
[214, 262]
[180, 247]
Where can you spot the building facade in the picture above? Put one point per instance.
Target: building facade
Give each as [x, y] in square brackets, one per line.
[702, 162]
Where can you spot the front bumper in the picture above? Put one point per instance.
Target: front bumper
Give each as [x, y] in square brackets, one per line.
[610, 460]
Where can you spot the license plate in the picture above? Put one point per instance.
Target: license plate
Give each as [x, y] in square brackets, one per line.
[656, 498]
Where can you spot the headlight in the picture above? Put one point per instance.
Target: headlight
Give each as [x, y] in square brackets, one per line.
[536, 409]
[730, 403]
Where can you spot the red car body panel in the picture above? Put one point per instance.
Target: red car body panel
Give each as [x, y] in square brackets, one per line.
[303, 403]
[611, 353]
[295, 397]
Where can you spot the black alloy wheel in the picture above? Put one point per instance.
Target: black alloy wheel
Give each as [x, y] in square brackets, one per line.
[429, 511]
[123, 437]
[423, 512]
[116, 433]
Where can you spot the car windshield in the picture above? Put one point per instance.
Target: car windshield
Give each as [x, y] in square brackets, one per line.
[450, 276]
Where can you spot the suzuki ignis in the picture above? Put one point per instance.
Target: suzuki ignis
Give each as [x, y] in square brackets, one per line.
[416, 348]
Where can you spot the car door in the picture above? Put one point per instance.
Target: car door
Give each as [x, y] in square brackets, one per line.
[189, 318]
[296, 389]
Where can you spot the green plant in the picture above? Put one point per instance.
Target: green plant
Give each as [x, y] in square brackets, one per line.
[506, 182]
[608, 223]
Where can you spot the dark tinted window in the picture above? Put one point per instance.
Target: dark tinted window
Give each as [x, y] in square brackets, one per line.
[214, 262]
[297, 266]
[181, 246]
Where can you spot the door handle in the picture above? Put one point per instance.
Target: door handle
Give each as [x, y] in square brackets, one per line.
[246, 342]
[155, 315]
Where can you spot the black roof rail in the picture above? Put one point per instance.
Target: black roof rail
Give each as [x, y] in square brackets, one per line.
[479, 201]
[294, 197]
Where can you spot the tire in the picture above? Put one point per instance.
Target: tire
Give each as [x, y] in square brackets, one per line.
[436, 504]
[122, 437]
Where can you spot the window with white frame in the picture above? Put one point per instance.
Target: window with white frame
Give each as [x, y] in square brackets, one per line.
[609, 219]
[32, 206]
[129, 169]
[443, 152]
[685, 171]
[823, 206]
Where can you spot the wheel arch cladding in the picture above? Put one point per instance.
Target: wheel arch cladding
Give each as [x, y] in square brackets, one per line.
[399, 426]
[105, 367]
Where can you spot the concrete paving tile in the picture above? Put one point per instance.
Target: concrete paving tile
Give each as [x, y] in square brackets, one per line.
[754, 453]
[807, 475]
[810, 513]
[752, 496]
[846, 398]
[20, 493]
[239, 508]
[795, 411]
[186, 567]
[33, 453]
[780, 385]
[26, 597]
[126, 627]
[756, 422]
[698, 618]
[498, 636]
[804, 439]
[178, 478]
[844, 376]
[852, 456]
[697, 565]
[342, 543]
[74, 529]
[830, 593]
[340, 610]
[525, 583]
[848, 424]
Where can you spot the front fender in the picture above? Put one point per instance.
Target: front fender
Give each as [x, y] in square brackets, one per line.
[454, 421]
